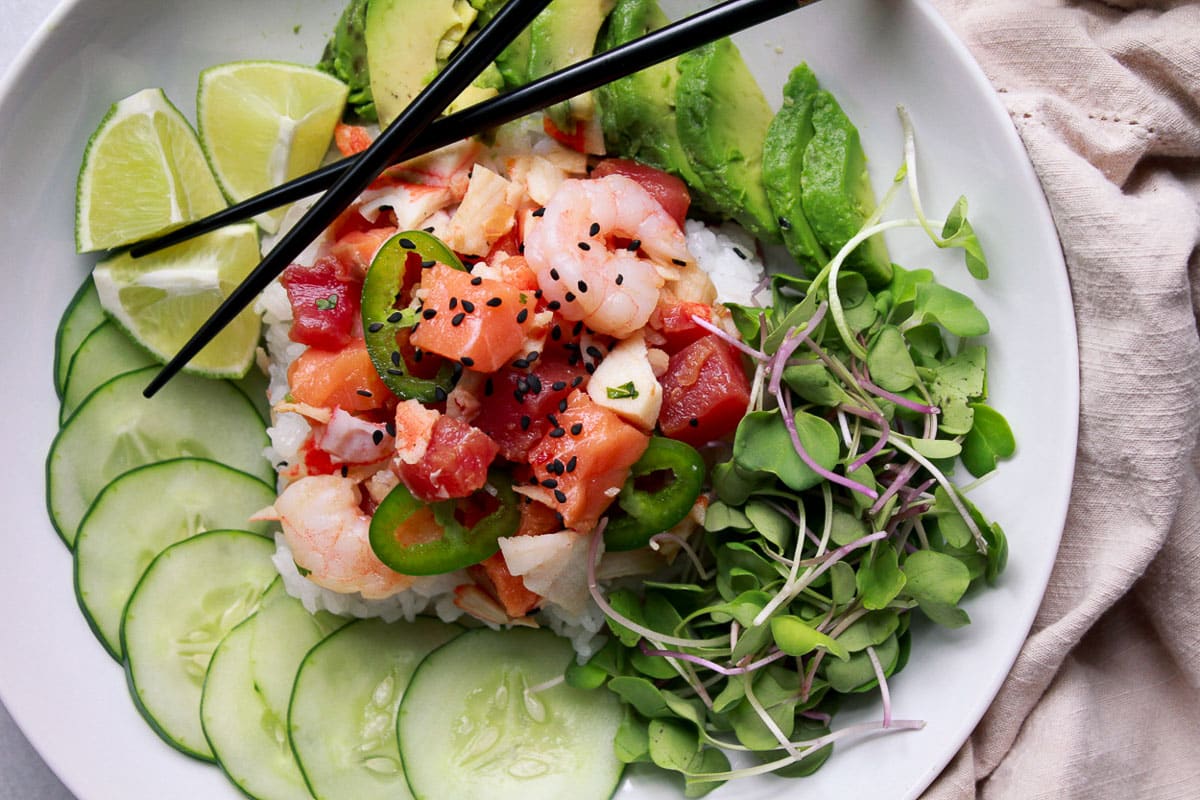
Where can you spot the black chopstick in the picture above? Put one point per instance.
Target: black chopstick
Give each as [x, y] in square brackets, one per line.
[653, 48]
[463, 68]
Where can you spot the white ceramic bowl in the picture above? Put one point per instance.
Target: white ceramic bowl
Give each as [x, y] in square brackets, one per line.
[69, 696]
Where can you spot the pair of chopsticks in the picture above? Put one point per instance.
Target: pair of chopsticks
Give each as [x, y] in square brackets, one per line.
[415, 132]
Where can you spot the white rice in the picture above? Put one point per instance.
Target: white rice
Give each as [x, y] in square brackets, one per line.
[727, 253]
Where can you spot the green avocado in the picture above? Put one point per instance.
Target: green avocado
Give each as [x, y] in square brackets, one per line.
[783, 151]
[722, 119]
[408, 42]
[345, 58]
[637, 112]
[836, 190]
[562, 35]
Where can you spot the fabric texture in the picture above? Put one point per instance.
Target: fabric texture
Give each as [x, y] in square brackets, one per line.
[1104, 698]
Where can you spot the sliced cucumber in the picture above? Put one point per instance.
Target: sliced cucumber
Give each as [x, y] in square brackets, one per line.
[484, 717]
[244, 705]
[80, 318]
[191, 595]
[143, 512]
[342, 720]
[105, 353]
[117, 429]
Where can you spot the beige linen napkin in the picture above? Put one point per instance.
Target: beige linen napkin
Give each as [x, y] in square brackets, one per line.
[1104, 699]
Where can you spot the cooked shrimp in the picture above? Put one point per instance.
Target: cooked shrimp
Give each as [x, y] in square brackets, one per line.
[328, 534]
[612, 290]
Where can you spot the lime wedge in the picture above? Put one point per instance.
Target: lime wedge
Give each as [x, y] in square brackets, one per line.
[263, 123]
[161, 299]
[143, 173]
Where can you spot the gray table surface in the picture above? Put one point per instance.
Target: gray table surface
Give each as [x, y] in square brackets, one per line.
[23, 774]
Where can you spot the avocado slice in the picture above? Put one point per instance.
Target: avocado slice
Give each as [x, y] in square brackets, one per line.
[783, 151]
[562, 35]
[836, 190]
[408, 42]
[345, 58]
[637, 112]
[722, 119]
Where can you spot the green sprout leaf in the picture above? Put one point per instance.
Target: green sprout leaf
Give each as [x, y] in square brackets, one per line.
[954, 311]
[879, 579]
[889, 362]
[989, 440]
[796, 637]
[957, 232]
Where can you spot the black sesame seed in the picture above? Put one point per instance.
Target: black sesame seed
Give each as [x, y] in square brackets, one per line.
[407, 243]
[634, 246]
[468, 306]
[679, 262]
[556, 333]
[457, 319]
[418, 354]
[428, 263]
[590, 368]
[620, 278]
[550, 483]
[532, 356]
[695, 423]
[429, 313]
[559, 496]
[377, 436]
[562, 404]
[522, 315]
[582, 286]
[521, 363]
[554, 305]
[584, 246]
[577, 429]
[375, 327]
[467, 361]
[578, 329]
[364, 393]
[595, 229]
[395, 317]
[525, 422]
[553, 420]
[553, 274]
[430, 229]
[558, 386]
[537, 294]
[535, 384]
[439, 394]
[539, 212]
[396, 358]
[569, 297]
[557, 433]
[345, 471]
[578, 379]
[281, 465]
[594, 351]
[559, 517]
[477, 281]
[390, 427]
[494, 302]
[394, 371]
[738, 252]
[571, 464]
[453, 303]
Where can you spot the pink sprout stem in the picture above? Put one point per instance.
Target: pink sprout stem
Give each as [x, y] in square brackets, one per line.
[881, 439]
[883, 687]
[708, 664]
[788, 420]
[920, 408]
[732, 340]
[902, 478]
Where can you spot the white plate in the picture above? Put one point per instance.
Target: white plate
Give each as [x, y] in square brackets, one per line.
[70, 698]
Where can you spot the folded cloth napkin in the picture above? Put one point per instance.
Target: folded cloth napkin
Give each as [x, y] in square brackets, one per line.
[1103, 700]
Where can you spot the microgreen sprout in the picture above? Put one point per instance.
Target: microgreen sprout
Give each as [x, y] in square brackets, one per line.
[834, 516]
